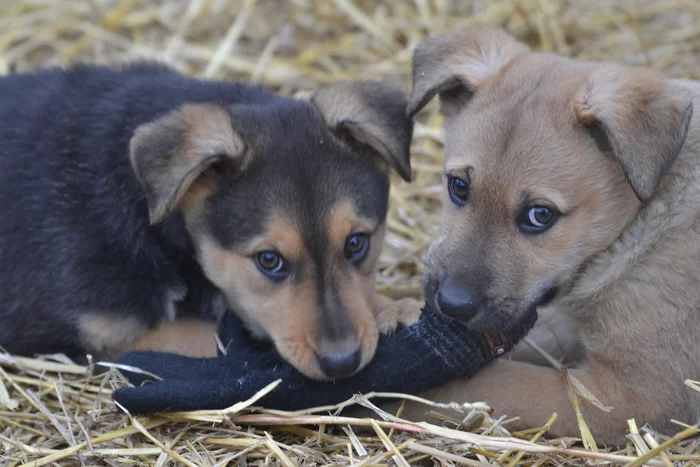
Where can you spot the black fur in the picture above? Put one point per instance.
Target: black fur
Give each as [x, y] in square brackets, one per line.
[75, 234]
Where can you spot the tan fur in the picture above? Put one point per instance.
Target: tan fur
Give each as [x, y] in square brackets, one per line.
[288, 313]
[193, 137]
[459, 58]
[209, 130]
[108, 334]
[621, 100]
[355, 285]
[284, 314]
[390, 313]
[350, 105]
[193, 338]
[626, 253]
[343, 221]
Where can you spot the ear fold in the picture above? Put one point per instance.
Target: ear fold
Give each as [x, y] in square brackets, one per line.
[640, 117]
[456, 64]
[170, 153]
[373, 113]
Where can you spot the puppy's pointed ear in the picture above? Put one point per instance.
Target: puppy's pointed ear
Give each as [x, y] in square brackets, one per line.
[456, 64]
[638, 116]
[170, 153]
[372, 113]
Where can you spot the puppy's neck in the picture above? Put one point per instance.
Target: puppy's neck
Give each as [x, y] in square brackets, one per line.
[175, 238]
[199, 297]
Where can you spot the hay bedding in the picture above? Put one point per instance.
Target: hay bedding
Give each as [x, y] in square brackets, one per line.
[55, 413]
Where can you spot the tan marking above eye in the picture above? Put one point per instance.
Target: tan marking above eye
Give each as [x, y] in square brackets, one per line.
[343, 220]
[281, 236]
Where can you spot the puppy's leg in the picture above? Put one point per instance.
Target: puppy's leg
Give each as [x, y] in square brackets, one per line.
[188, 337]
[534, 393]
[390, 313]
[106, 335]
[556, 333]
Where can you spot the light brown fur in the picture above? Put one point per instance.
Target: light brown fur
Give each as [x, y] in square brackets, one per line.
[346, 104]
[109, 335]
[197, 136]
[625, 254]
[177, 337]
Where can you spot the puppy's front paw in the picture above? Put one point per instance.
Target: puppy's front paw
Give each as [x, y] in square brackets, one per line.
[391, 313]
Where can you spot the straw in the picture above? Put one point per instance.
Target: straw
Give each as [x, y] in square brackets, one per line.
[53, 412]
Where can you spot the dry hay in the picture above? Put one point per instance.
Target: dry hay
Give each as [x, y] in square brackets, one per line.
[56, 413]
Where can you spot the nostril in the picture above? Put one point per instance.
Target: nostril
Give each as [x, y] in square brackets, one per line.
[338, 366]
[462, 308]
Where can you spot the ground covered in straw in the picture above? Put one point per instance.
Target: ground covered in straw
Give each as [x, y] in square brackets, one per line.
[55, 413]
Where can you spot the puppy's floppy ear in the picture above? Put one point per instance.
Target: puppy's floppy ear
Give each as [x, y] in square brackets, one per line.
[454, 65]
[170, 153]
[373, 113]
[638, 116]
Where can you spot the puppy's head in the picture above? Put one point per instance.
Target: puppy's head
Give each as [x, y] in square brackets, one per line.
[286, 202]
[547, 161]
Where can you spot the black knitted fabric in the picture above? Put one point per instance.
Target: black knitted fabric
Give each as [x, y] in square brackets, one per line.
[428, 354]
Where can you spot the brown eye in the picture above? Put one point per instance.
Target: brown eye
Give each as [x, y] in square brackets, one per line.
[540, 216]
[537, 219]
[356, 247]
[272, 264]
[458, 189]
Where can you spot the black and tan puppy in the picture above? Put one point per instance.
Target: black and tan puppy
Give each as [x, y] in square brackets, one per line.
[138, 203]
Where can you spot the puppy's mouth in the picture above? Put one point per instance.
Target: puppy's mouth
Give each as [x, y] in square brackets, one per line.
[507, 313]
[500, 315]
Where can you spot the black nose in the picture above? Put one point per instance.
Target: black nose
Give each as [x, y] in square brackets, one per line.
[338, 366]
[457, 303]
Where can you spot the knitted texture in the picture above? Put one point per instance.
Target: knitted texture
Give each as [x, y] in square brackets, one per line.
[425, 355]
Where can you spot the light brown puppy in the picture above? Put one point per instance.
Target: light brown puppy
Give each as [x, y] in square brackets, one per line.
[572, 187]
